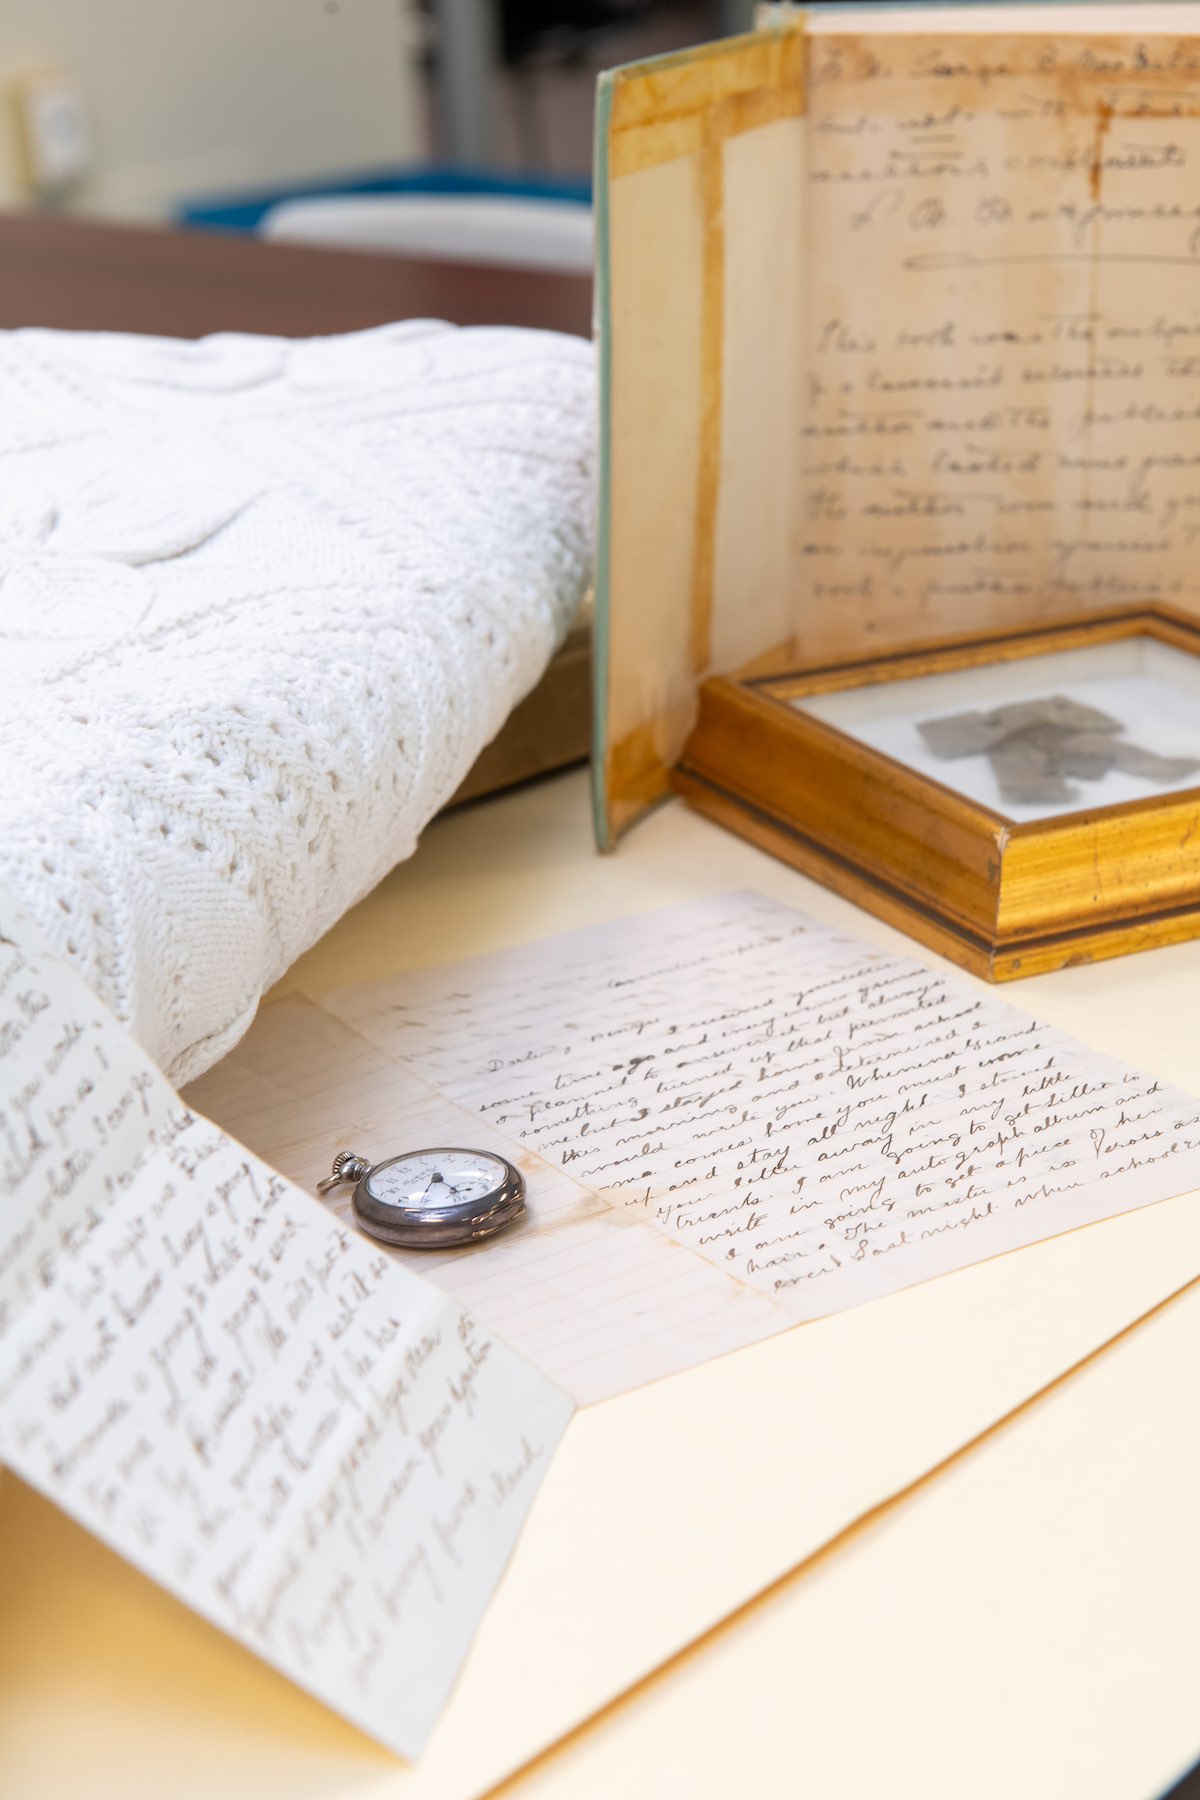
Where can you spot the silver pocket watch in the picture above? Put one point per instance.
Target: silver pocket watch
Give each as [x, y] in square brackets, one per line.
[430, 1199]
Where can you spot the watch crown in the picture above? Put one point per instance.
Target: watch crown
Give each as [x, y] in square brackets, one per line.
[347, 1166]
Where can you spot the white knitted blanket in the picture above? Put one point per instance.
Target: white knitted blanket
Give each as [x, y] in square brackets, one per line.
[261, 605]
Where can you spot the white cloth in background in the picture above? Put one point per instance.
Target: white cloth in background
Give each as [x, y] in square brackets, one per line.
[261, 604]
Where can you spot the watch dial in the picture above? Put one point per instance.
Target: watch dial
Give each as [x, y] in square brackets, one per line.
[433, 1178]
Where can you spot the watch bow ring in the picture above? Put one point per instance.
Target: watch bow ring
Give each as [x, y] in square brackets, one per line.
[430, 1199]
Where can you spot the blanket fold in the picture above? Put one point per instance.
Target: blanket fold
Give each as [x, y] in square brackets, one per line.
[262, 603]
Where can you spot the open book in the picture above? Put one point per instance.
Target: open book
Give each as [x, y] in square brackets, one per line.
[901, 324]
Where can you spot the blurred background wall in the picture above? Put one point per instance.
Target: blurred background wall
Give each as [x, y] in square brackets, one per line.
[190, 96]
[131, 108]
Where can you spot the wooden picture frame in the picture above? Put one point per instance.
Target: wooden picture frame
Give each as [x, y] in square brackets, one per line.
[1000, 898]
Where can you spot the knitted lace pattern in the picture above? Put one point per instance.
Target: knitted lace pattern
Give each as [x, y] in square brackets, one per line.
[262, 602]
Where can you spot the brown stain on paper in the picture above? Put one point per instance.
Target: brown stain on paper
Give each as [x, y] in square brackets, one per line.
[676, 109]
[712, 349]
[690, 106]
[669, 108]
[1104, 119]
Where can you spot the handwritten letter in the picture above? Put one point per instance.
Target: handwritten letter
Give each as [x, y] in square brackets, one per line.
[1003, 330]
[304, 1440]
[823, 1122]
[594, 1295]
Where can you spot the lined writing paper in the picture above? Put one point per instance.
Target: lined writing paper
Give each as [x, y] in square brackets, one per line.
[822, 1120]
[730, 1119]
[594, 1295]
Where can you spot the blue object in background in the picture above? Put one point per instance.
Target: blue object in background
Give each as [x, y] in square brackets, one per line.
[245, 212]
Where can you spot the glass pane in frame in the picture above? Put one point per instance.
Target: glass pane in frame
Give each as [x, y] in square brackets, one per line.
[1042, 736]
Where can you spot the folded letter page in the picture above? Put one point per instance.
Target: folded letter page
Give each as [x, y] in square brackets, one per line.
[292, 1431]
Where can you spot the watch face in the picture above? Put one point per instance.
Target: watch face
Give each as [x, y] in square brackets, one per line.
[436, 1178]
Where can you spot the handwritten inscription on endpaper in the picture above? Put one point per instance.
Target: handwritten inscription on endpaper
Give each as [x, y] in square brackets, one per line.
[1002, 252]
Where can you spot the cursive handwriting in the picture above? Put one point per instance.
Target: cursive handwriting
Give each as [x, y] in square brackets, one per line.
[820, 1120]
[294, 1432]
[1026, 210]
